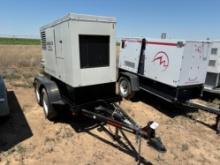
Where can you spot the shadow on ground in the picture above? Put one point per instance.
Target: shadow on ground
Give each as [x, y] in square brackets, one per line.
[170, 109]
[164, 107]
[15, 129]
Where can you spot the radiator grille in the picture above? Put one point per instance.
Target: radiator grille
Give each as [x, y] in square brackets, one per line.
[94, 51]
[43, 40]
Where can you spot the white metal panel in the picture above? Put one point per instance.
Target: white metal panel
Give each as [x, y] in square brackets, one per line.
[64, 63]
[63, 51]
[49, 53]
[92, 76]
[194, 63]
[79, 17]
[163, 61]
[129, 55]
[214, 58]
[171, 62]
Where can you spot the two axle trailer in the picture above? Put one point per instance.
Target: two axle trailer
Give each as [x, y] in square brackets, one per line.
[80, 73]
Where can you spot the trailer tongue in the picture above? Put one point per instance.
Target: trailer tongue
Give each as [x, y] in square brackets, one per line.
[112, 114]
[205, 108]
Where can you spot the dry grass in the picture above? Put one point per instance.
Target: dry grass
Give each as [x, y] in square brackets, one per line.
[20, 55]
[20, 76]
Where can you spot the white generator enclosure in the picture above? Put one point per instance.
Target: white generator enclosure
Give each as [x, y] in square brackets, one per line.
[79, 50]
[176, 68]
[213, 77]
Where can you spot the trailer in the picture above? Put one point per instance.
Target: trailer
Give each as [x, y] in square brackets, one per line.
[4, 109]
[79, 63]
[173, 70]
[212, 82]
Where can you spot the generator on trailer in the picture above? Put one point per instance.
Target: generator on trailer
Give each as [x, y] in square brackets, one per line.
[80, 72]
[174, 70]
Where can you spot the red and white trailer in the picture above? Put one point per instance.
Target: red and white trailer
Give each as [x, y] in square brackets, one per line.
[172, 69]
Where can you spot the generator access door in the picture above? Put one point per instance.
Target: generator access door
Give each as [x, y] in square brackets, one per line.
[60, 42]
[194, 64]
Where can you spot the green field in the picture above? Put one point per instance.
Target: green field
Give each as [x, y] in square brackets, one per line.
[19, 41]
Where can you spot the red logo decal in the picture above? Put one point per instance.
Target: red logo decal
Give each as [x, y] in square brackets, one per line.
[163, 59]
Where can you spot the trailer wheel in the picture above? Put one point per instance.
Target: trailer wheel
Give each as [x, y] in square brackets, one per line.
[49, 111]
[218, 125]
[38, 96]
[125, 89]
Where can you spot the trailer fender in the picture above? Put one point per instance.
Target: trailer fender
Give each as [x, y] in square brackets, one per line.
[134, 80]
[42, 82]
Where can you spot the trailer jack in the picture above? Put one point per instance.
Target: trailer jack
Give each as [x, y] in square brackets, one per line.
[112, 114]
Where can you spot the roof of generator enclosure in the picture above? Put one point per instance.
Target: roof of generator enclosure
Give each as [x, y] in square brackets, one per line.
[80, 17]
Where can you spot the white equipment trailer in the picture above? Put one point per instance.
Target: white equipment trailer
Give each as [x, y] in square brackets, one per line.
[79, 62]
[4, 109]
[173, 70]
[212, 82]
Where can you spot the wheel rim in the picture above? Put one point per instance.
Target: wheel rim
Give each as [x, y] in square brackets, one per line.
[124, 88]
[37, 95]
[45, 105]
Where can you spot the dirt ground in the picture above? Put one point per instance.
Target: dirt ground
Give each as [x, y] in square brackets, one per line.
[28, 138]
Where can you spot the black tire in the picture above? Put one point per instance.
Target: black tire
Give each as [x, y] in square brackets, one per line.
[38, 95]
[218, 125]
[125, 89]
[49, 111]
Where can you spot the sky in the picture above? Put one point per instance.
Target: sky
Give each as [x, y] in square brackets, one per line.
[182, 19]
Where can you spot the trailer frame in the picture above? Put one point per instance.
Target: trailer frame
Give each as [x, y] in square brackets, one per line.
[212, 110]
[106, 112]
[134, 84]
